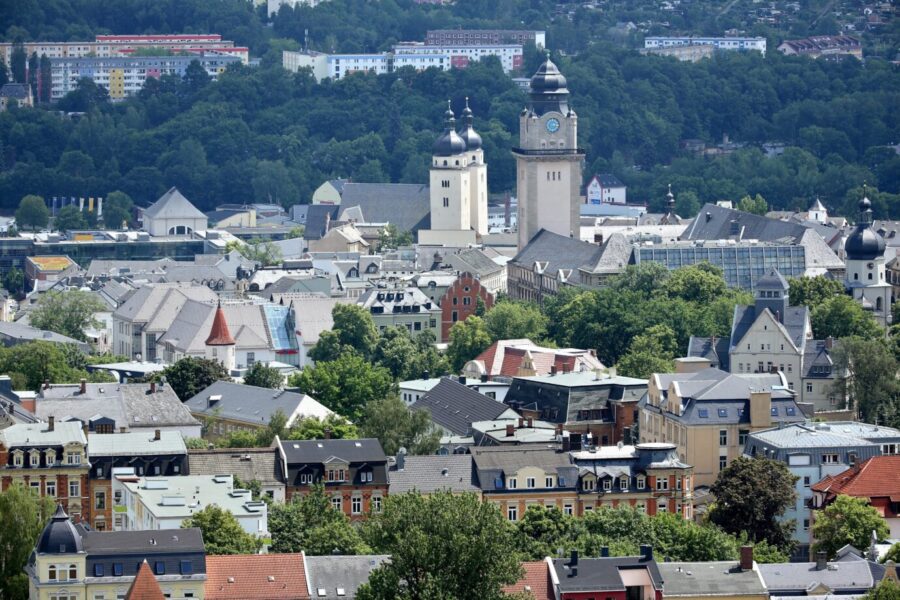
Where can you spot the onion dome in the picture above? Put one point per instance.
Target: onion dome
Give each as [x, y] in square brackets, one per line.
[219, 335]
[670, 200]
[864, 243]
[449, 143]
[469, 135]
[60, 535]
[548, 79]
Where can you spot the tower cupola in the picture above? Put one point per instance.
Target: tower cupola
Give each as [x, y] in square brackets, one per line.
[449, 143]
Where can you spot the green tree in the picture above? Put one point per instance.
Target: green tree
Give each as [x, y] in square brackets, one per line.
[395, 426]
[24, 515]
[892, 554]
[222, 534]
[32, 212]
[515, 320]
[189, 376]
[813, 291]
[756, 205]
[390, 238]
[118, 210]
[344, 385]
[701, 283]
[262, 375]
[68, 313]
[847, 520]
[650, 352]
[542, 531]
[887, 589]
[871, 383]
[468, 339]
[355, 328]
[69, 218]
[313, 428]
[441, 546]
[18, 62]
[751, 496]
[264, 252]
[310, 524]
[841, 316]
[14, 281]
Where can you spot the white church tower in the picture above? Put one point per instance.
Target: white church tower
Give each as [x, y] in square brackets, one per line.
[478, 188]
[866, 279]
[548, 160]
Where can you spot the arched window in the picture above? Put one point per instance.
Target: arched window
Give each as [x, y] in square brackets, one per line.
[878, 303]
[171, 231]
[73, 571]
[51, 573]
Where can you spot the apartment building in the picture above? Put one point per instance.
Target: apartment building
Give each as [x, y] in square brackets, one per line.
[481, 37]
[719, 43]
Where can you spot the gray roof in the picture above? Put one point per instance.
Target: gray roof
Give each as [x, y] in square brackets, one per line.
[557, 252]
[454, 406]
[713, 222]
[428, 474]
[846, 576]
[710, 579]
[149, 542]
[329, 574]
[473, 261]
[512, 458]
[172, 205]
[317, 218]
[19, 332]
[714, 349]
[246, 464]
[794, 321]
[817, 354]
[14, 90]
[252, 404]
[603, 574]
[825, 435]
[614, 255]
[318, 451]
[128, 404]
[135, 443]
[405, 205]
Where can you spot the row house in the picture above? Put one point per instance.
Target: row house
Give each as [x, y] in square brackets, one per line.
[354, 473]
[50, 459]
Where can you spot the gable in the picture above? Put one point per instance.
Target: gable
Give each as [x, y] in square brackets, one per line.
[765, 325]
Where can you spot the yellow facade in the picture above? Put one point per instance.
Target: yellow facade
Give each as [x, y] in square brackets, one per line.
[116, 84]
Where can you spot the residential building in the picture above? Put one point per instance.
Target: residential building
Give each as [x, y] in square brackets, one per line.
[823, 46]
[603, 407]
[650, 478]
[461, 301]
[353, 472]
[548, 159]
[160, 453]
[866, 280]
[719, 579]
[42, 272]
[534, 581]
[406, 307]
[482, 37]
[433, 473]
[15, 333]
[341, 238]
[814, 451]
[112, 407]
[146, 503]
[605, 188]
[256, 577]
[771, 335]
[50, 459]
[405, 205]
[228, 407]
[453, 407]
[508, 432]
[125, 76]
[618, 578]
[851, 576]
[876, 480]
[505, 359]
[15, 94]
[412, 390]
[490, 274]
[339, 577]
[719, 43]
[172, 214]
[70, 561]
[262, 465]
[687, 53]
[515, 477]
[708, 413]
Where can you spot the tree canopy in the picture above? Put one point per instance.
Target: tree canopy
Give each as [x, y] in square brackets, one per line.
[68, 313]
[191, 375]
[24, 516]
[847, 520]
[346, 384]
[310, 524]
[222, 533]
[262, 375]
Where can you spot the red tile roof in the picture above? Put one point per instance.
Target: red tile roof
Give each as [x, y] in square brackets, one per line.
[535, 581]
[219, 334]
[144, 586]
[876, 477]
[256, 577]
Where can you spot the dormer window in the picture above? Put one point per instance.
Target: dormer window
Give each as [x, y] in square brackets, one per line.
[34, 458]
[607, 485]
[50, 457]
[623, 483]
[641, 482]
[18, 458]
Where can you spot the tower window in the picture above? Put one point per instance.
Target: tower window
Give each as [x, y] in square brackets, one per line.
[446, 202]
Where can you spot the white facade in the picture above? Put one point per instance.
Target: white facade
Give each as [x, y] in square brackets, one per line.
[598, 193]
[720, 43]
[316, 61]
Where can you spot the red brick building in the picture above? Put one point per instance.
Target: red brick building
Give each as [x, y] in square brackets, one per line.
[461, 300]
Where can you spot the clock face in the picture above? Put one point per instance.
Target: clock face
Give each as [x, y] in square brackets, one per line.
[552, 125]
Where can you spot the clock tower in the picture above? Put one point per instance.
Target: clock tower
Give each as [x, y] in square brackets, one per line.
[548, 160]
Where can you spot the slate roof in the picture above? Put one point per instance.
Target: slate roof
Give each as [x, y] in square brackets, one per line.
[713, 222]
[18, 91]
[253, 404]
[20, 332]
[432, 473]
[158, 305]
[715, 578]
[129, 404]
[317, 218]
[126, 542]
[816, 354]
[173, 205]
[39, 434]
[794, 322]
[455, 406]
[876, 477]
[473, 261]
[136, 443]
[256, 577]
[318, 451]
[848, 577]
[340, 576]
[246, 464]
[405, 205]
[510, 459]
[602, 574]
[554, 252]
[535, 581]
[715, 350]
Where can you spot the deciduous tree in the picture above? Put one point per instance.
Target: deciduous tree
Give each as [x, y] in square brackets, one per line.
[515, 320]
[222, 533]
[24, 515]
[345, 385]
[468, 339]
[395, 426]
[841, 316]
[871, 379]
[32, 213]
[191, 375]
[68, 313]
[813, 291]
[69, 218]
[847, 520]
[262, 375]
[310, 524]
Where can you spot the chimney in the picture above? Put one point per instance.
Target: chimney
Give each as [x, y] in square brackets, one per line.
[566, 445]
[83, 389]
[401, 459]
[746, 558]
[123, 429]
[485, 378]
[156, 435]
[821, 560]
[829, 342]
[573, 559]
[152, 387]
[51, 421]
[646, 552]
[778, 316]
[521, 422]
[530, 423]
[84, 429]
[559, 428]
[552, 370]
[604, 551]
[46, 384]
[462, 379]
[760, 409]
[327, 433]
[510, 430]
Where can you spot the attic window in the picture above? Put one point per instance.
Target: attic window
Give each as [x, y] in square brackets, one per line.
[790, 411]
[321, 591]
[774, 411]
[703, 413]
[723, 412]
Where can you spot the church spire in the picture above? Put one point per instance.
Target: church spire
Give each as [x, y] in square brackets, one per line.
[219, 334]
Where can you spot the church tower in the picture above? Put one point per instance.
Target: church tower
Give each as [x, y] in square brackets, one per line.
[866, 280]
[478, 189]
[450, 180]
[220, 346]
[548, 161]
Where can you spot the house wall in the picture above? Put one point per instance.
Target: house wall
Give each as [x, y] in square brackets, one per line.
[765, 346]
[346, 493]
[460, 301]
